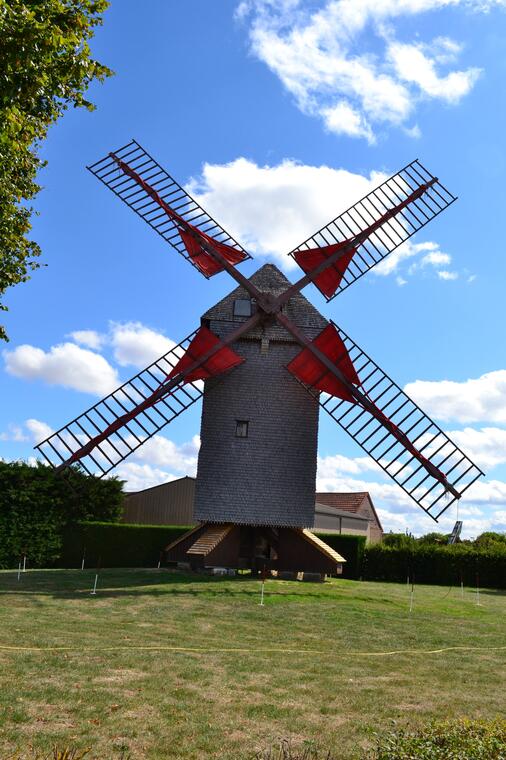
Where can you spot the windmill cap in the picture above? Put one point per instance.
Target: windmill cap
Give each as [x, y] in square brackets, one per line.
[269, 279]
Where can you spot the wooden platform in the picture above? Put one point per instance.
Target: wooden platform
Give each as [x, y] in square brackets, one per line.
[254, 547]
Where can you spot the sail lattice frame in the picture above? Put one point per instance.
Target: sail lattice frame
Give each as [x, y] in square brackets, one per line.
[386, 450]
[106, 455]
[170, 191]
[393, 232]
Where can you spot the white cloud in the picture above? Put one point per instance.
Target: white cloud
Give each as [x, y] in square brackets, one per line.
[474, 400]
[410, 258]
[137, 477]
[272, 209]
[436, 258]
[65, 364]
[88, 338]
[344, 64]
[38, 430]
[162, 452]
[13, 433]
[413, 64]
[444, 274]
[486, 446]
[135, 344]
[158, 461]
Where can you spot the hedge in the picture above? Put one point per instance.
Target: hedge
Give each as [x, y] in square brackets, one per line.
[129, 545]
[350, 547]
[446, 565]
[117, 544]
[37, 505]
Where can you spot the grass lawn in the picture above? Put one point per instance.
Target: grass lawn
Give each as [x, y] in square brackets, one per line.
[239, 676]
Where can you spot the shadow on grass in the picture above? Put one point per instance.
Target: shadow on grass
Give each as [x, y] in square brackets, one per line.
[117, 583]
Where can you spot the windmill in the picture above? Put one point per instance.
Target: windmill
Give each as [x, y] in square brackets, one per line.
[269, 361]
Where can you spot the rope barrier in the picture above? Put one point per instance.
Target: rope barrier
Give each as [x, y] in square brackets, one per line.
[246, 650]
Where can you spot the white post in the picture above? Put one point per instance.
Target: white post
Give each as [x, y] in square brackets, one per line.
[262, 595]
[478, 590]
[95, 585]
[82, 563]
[24, 563]
[19, 570]
[411, 601]
[462, 590]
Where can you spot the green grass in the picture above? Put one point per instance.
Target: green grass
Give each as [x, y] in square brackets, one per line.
[116, 685]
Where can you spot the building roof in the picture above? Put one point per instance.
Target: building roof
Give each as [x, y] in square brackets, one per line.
[165, 485]
[325, 509]
[347, 502]
[269, 279]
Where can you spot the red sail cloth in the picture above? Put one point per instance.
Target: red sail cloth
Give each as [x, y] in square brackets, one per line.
[310, 370]
[329, 280]
[220, 361]
[202, 260]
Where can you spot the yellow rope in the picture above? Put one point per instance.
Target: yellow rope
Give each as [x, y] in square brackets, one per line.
[245, 650]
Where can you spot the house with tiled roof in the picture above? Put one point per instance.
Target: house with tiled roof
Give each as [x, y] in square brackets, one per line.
[348, 513]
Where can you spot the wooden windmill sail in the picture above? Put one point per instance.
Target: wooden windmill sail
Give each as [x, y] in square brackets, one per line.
[322, 361]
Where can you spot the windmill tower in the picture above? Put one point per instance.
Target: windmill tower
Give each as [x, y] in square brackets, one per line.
[259, 432]
[269, 361]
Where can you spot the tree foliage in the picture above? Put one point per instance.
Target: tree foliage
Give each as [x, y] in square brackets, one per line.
[45, 67]
[37, 506]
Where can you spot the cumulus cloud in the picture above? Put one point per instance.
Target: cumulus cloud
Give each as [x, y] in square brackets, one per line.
[425, 258]
[344, 64]
[162, 452]
[88, 338]
[158, 461]
[66, 364]
[272, 209]
[137, 476]
[38, 430]
[481, 399]
[135, 344]
[13, 433]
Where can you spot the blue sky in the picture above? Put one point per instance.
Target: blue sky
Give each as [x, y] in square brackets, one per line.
[294, 106]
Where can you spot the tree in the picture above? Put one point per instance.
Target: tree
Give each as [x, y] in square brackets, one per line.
[45, 66]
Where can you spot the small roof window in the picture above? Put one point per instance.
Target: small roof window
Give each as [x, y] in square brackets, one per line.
[242, 307]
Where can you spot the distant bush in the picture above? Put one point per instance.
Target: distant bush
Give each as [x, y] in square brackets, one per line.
[37, 505]
[398, 540]
[446, 740]
[430, 563]
[117, 544]
[433, 538]
[350, 547]
[489, 539]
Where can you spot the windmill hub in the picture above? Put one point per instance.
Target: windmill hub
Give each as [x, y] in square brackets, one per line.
[269, 361]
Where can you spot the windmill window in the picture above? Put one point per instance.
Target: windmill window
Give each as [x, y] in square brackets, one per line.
[242, 307]
[241, 428]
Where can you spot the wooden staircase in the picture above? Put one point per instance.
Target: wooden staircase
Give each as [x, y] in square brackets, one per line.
[209, 539]
[322, 546]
